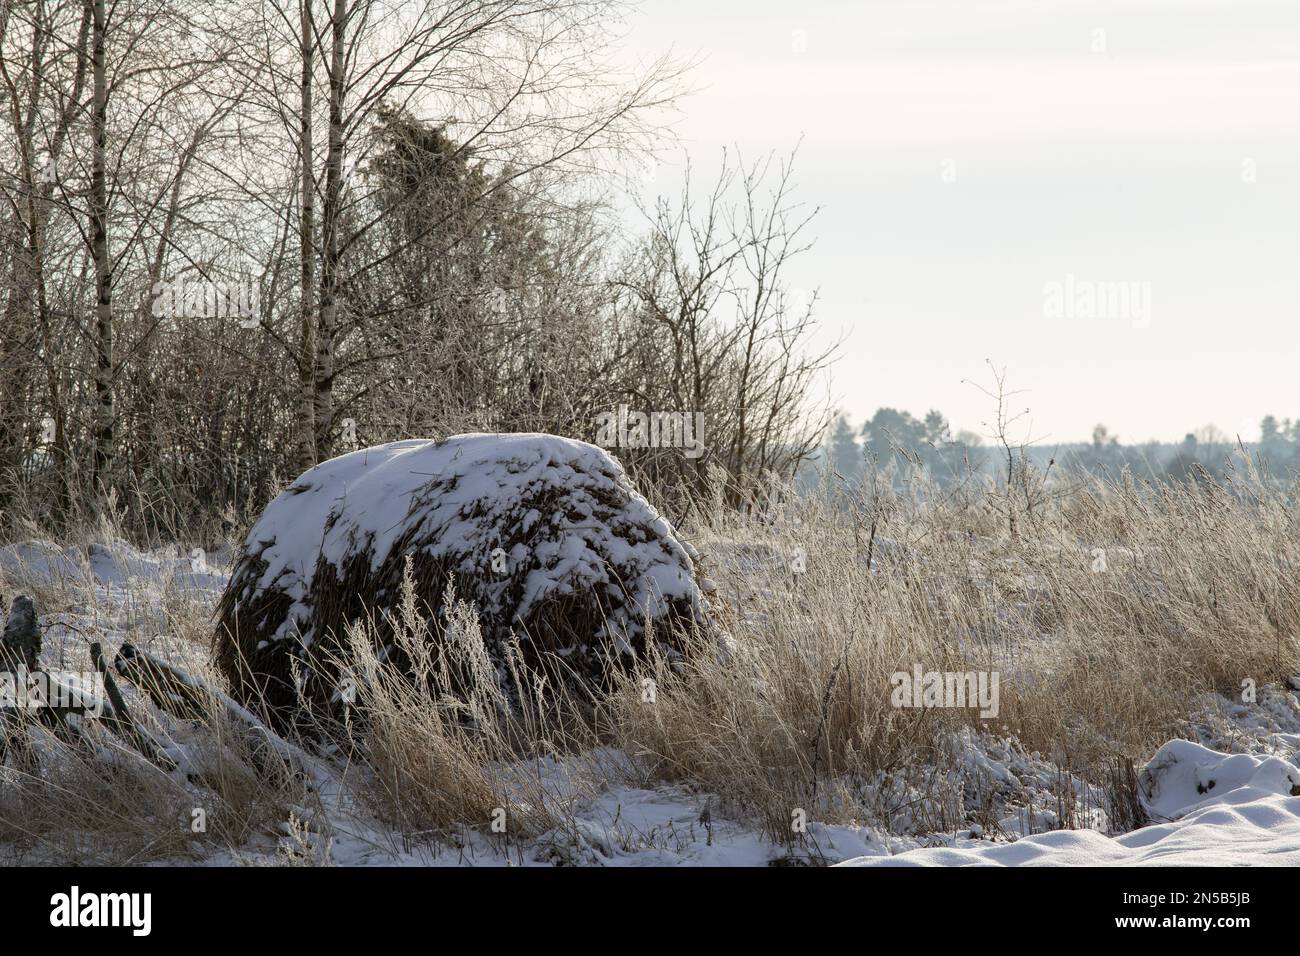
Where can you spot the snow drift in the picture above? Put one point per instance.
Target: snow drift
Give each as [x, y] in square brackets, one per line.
[543, 535]
[1216, 810]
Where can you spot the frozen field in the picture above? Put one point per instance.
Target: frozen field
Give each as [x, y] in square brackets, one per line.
[1230, 798]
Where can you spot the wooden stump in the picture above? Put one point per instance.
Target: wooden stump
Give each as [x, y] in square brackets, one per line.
[20, 650]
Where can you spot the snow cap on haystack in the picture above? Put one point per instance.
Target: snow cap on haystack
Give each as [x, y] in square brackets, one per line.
[544, 535]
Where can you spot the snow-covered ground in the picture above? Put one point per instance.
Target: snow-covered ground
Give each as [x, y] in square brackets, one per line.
[1233, 798]
[1221, 810]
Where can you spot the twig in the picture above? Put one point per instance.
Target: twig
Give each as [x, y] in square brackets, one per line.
[118, 718]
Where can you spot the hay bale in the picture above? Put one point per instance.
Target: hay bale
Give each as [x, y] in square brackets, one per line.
[543, 535]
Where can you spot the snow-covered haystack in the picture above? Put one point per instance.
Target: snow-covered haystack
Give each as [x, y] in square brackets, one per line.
[545, 536]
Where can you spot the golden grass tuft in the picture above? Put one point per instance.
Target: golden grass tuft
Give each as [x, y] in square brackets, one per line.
[1199, 591]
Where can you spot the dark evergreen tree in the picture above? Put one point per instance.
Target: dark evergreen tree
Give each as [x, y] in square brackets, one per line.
[845, 452]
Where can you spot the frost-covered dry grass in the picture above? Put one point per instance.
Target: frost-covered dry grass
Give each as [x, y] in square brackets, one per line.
[1114, 616]
[1119, 617]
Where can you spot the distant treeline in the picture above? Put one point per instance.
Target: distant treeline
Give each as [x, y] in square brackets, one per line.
[897, 444]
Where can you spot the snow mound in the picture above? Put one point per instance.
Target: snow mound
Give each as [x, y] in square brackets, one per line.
[112, 564]
[1183, 777]
[1216, 810]
[41, 562]
[543, 534]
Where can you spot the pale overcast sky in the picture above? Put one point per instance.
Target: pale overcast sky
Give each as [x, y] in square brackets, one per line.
[968, 155]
